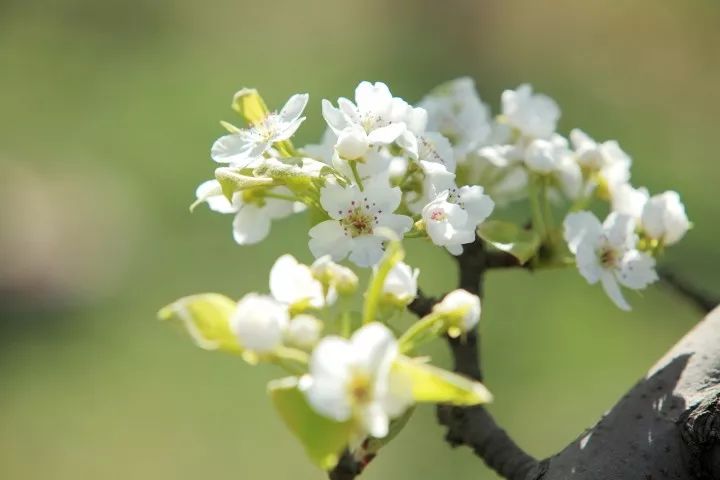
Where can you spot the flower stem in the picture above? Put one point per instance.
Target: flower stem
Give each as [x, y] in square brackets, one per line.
[393, 255]
[538, 217]
[356, 174]
[409, 340]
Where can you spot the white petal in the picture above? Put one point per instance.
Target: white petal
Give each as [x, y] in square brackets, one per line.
[579, 225]
[637, 270]
[288, 130]
[620, 230]
[294, 107]
[328, 238]
[628, 200]
[454, 249]
[375, 349]
[478, 205]
[336, 199]
[612, 288]
[366, 250]
[259, 322]
[386, 135]
[211, 192]
[334, 117]
[588, 262]
[251, 225]
[374, 420]
[373, 98]
[235, 149]
[292, 282]
[399, 224]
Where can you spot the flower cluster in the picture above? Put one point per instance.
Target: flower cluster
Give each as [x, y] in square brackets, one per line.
[350, 375]
[386, 171]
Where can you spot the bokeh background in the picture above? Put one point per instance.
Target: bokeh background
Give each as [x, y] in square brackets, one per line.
[107, 112]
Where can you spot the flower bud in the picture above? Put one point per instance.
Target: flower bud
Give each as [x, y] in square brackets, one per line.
[400, 287]
[303, 331]
[352, 143]
[664, 218]
[461, 310]
[259, 322]
[335, 277]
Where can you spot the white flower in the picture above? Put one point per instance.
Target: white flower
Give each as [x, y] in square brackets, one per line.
[293, 283]
[336, 278]
[553, 157]
[664, 218]
[435, 148]
[606, 158]
[629, 200]
[462, 310]
[607, 253]
[453, 216]
[243, 146]
[415, 120]
[455, 110]
[446, 223]
[303, 331]
[368, 120]
[253, 211]
[354, 217]
[435, 179]
[534, 115]
[259, 322]
[351, 380]
[401, 283]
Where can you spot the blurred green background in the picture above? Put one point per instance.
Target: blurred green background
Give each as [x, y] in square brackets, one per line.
[107, 112]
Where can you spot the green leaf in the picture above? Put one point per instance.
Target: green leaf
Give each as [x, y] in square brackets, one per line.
[323, 439]
[232, 180]
[206, 317]
[250, 105]
[508, 237]
[436, 385]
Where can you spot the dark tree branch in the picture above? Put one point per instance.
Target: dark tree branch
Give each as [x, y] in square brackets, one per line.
[474, 426]
[700, 298]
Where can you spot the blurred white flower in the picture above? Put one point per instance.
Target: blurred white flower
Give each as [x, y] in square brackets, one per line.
[351, 379]
[259, 321]
[664, 218]
[293, 283]
[455, 110]
[629, 200]
[303, 331]
[336, 278]
[462, 310]
[606, 159]
[607, 253]
[241, 147]
[401, 283]
[533, 114]
[354, 216]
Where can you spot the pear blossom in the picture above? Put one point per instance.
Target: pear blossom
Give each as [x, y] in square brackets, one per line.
[664, 218]
[259, 321]
[456, 111]
[352, 380]
[629, 200]
[303, 331]
[606, 159]
[401, 283]
[334, 277]
[253, 210]
[462, 309]
[607, 253]
[435, 178]
[366, 122]
[453, 216]
[354, 216]
[534, 115]
[293, 283]
[241, 147]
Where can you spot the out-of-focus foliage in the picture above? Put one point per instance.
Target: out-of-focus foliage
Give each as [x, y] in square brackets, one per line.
[108, 112]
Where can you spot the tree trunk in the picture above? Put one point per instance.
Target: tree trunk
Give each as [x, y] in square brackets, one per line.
[666, 427]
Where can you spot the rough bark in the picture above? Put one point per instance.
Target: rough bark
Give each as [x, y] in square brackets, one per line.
[666, 427]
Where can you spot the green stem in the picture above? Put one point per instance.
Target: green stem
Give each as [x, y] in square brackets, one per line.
[538, 219]
[291, 359]
[408, 341]
[356, 174]
[392, 256]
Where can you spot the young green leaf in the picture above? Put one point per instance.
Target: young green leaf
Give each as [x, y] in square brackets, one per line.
[435, 385]
[206, 317]
[323, 439]
[508, 237]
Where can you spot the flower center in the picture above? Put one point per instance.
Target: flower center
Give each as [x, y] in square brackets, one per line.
[359, 219]
[608, 257]
[360, 388]
[267, 128]
[438, 215]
